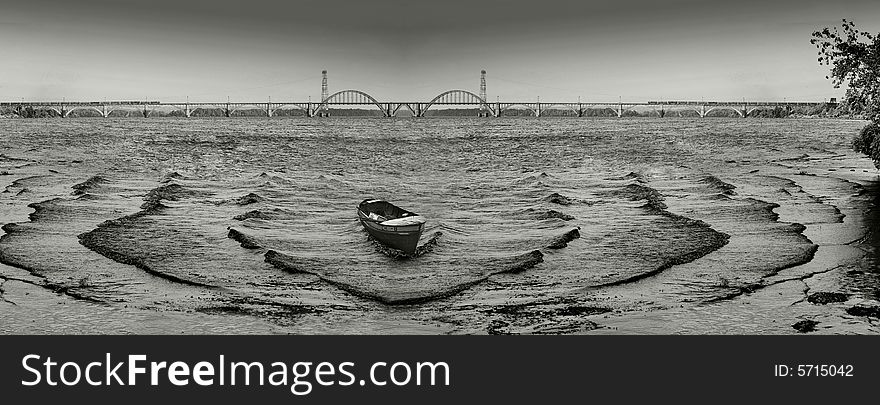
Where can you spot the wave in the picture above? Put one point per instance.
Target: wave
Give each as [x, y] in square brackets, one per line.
[836, 215]
[718, 184]
[97, 239]
[805, 256]
[537, 214]
[536, 180]
[766, 208]
[88, 197]
[636, 192]
[103, 239]
[91, 184]
[557, 198]
[711, 245]
[250, 198]
[631, 176]
[710, 240]
[70, 290]
[43, 209]
[273, 179]
[7, 158]
[550, 214]
[562, 241]
[245, 241]
[167, 178]
[483, 269]
[256, 214]
[421, 250]
[22, 183]
[277, 312]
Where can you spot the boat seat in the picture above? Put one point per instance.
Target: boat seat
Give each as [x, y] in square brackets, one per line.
[404, 221]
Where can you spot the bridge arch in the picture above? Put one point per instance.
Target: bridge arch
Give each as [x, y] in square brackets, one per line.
[282, 106]
[518, 106]
[349, 97]
[562, 106]
[705, 112]
[451, 97]
[58, 110]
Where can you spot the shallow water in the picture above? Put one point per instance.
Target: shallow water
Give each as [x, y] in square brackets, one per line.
[534, 225]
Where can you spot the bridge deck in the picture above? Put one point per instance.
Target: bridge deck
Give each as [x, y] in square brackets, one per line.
[276, 103]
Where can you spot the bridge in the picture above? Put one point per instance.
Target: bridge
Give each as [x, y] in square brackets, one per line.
[355, 98]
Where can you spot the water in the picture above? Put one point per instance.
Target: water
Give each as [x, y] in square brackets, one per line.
[534, 225]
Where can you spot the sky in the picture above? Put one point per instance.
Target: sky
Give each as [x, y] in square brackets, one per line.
[407, 50]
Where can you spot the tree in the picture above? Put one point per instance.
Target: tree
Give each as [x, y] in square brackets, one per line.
[854, 57]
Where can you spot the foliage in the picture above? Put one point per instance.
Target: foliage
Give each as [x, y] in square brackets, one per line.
[868, 142]
[854, 57]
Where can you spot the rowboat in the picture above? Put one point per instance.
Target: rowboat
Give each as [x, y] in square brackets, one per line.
[391, 225]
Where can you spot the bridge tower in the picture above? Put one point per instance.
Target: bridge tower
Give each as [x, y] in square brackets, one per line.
[483, 112]
[325, 93]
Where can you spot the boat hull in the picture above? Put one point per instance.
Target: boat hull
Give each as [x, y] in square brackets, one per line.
[405, 238]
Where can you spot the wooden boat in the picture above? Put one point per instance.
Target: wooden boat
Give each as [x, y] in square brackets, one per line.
[391, 225]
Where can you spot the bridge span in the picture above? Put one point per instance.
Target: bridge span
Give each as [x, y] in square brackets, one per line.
[357, 99]
[456, 98]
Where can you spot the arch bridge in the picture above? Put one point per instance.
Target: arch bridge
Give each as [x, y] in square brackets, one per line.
[351, 97]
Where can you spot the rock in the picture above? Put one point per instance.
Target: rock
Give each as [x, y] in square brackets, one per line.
[805, 326]
[864, 311]
[823, 298]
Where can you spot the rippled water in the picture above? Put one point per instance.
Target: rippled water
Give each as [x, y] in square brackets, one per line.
[534, 225]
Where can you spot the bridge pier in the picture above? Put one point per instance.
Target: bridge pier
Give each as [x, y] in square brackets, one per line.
[268, 110]
[322, 111]
[537, 109]
[146, 112]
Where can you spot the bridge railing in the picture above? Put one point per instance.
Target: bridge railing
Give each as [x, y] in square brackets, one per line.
[739, 103]
[78, 103]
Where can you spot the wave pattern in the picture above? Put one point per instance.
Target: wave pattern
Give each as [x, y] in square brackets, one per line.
[541, 227]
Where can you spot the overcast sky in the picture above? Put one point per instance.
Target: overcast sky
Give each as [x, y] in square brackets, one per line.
[403, 49]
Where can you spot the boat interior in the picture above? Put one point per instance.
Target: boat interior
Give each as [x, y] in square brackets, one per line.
[380, 210]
